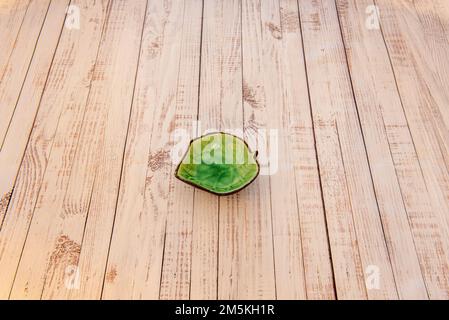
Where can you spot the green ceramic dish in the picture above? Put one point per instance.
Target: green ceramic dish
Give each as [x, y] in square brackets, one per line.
[220, 163]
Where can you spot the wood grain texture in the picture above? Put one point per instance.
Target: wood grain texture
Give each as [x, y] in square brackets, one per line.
[287, 243]
[95, 176]
[12, 14]
[53, 145]
[349, 115]
[16, 51]
[177, 262]
[430, 21]
[164, 99]
[300, 147]
[16, 130]
[397, 172]
[421, 106]
[19, 61]
[442, 11]
[141, 210]
[350, 202]
[14, 228]
[220, 79]
[246, 246]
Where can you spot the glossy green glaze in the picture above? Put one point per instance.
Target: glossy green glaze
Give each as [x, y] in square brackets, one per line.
[219, 163]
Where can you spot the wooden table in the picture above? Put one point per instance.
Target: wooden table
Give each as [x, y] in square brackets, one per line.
[93, 92]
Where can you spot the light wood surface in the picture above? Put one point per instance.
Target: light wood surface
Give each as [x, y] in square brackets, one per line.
[357, 93]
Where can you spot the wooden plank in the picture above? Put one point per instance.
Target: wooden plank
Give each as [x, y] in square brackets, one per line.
[90, 118]
[19, 61]
[13, 232]
[10, 89]
[288, 255]
[395, 167]
[442, 10]
[12, 14]
[246, 262]
[420, 103]
[50, 155]
[355, 230]
[164, 98]
[431, 54]
[300, 137]
[177, 261]
[142, 202]
[92, 190]
[430, 18]
[220, 74]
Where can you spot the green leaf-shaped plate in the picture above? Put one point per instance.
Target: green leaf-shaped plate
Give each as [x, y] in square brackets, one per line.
[220, 163]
